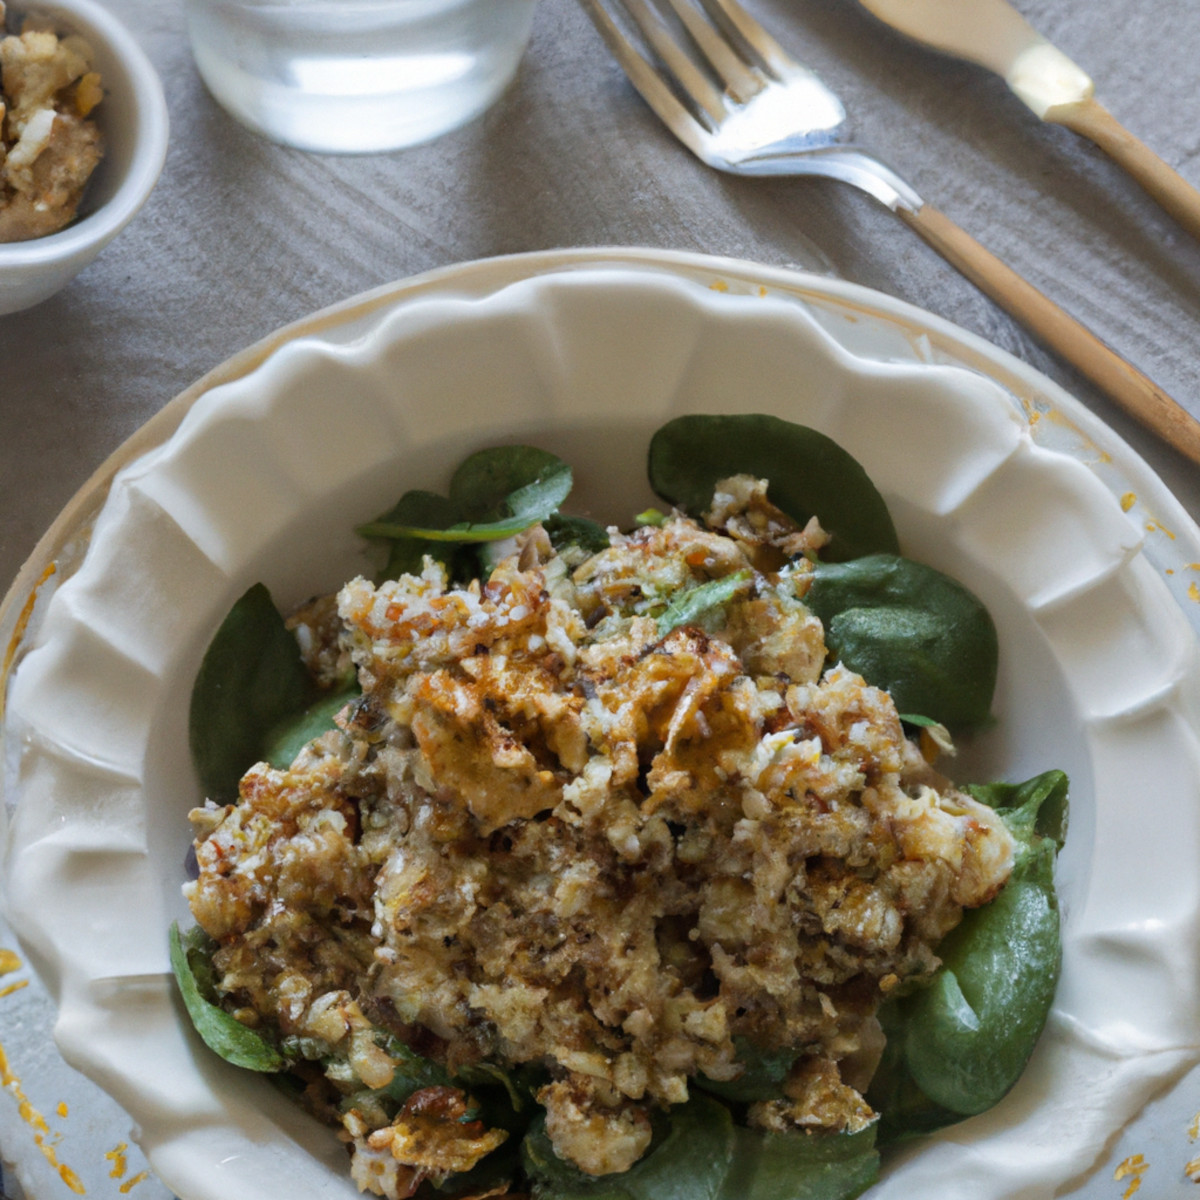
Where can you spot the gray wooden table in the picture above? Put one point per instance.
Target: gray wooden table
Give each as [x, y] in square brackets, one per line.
[242, 236]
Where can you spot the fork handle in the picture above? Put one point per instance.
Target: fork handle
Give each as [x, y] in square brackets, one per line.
[1138, 395]
[1092, 120]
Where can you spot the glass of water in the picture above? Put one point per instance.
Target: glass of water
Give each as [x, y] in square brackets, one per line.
[355, 76]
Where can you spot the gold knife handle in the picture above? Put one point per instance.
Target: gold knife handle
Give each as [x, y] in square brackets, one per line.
[1092, 120]
[1140, 396]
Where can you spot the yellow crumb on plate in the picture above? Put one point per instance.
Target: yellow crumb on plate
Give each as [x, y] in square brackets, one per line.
[1132, 1168]
[117, 1157]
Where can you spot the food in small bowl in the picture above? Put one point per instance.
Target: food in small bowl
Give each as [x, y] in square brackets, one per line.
[82, 142]
[49, 141]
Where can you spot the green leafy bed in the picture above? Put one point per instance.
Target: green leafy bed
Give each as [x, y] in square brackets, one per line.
[955, 1045]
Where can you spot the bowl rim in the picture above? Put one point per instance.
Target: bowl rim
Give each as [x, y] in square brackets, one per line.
[96, 23]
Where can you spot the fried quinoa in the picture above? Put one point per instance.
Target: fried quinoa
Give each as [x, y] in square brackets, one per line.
[556, 830]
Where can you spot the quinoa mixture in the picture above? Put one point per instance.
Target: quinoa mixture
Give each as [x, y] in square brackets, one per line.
[49, 146]
[569, 827]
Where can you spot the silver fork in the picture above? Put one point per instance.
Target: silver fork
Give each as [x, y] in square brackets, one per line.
[726, 88]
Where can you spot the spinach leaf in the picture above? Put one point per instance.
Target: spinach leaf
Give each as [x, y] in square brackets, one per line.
[808, 474]
[503, 1099]
[486, 1176]
[689, 1162]
[959, 1045]
[703, 1156]
[1036, 807]
[461, 531]
[761, 1079]
[801, 1166]
[413, 1071]
[191, 961]
[590, 536]
[912, 630]
[291, 735]
[406, 555]
[970, 1035]
[506, 481]
[517, 1082]
[905, 1112]
[252, 678]
[689, 606]
[494, 494]
[504, 1093]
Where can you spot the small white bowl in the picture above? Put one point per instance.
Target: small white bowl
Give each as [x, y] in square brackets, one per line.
[133, 119]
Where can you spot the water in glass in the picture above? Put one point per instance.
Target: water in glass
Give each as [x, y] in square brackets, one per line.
[354, 76]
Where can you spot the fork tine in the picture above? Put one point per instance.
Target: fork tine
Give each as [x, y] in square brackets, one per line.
[648, 82]
[773, 55]
[741, 80]
[691, 79]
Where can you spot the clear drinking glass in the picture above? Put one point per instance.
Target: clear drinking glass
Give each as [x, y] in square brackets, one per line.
[353, 76]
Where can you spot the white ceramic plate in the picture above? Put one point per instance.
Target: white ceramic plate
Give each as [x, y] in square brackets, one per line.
[265, 478]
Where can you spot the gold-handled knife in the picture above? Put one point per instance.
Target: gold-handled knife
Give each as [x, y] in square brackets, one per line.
[993, 34]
